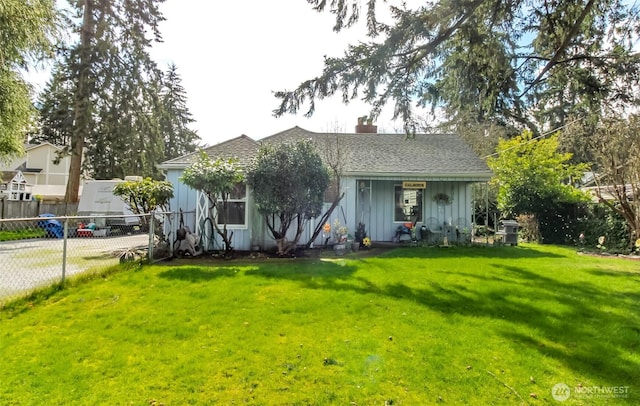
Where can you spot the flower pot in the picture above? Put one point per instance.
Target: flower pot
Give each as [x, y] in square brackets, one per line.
[355, 246]
[339, 249]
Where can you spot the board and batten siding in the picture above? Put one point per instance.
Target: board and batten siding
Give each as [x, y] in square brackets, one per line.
[379, 218]
[184, 198]
[373, 204]
[460, 207]
[244, 236]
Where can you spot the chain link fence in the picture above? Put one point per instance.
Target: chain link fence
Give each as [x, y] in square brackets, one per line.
[46, 250]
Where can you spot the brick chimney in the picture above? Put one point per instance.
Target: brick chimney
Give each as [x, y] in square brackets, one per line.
[365, 126]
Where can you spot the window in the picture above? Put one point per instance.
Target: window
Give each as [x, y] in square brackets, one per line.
[236, 207]
[332, 192]
[408, 203]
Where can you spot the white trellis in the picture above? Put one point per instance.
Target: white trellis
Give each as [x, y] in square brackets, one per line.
[202, 213]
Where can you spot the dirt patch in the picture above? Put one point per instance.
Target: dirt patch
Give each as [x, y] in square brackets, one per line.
[269, 255]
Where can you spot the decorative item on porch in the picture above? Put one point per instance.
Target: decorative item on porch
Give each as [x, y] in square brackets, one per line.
[326, 234]
[340, 232]
[366, 242]
[442, 198]
[360, 234]
[340, 236]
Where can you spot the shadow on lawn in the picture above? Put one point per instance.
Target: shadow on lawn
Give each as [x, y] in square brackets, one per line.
[307, 272]
[577, 331]
[471, 252]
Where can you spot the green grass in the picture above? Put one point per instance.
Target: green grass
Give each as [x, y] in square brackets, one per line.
[414, 326]
[22, 234]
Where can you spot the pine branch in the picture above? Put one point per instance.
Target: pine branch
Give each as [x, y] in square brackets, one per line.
[565, 43]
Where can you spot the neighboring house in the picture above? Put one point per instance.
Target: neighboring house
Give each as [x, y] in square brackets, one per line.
[609, 192]
[388, 180]
[14, 186]
[589, 184]
[47, 178]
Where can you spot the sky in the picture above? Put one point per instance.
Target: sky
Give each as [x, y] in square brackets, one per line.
[232, 56]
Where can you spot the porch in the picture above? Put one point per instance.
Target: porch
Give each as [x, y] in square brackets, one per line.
[392, 210]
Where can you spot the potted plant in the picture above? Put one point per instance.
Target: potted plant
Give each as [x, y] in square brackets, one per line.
[340, 236]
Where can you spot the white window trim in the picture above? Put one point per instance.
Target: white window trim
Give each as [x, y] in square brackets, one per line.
[203, 208]
[246, 211]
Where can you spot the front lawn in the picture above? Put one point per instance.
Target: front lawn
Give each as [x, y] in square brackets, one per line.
[414, 326]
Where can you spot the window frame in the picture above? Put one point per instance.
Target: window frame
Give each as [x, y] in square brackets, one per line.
[234, 200]
[398, 202]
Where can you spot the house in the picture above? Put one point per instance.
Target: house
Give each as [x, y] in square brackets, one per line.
[389, 182]
[14, 186]
[599, 192]
[39, 168]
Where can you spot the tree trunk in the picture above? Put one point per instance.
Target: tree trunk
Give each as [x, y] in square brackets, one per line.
[291, 245]
[82, 109]
[320, 226]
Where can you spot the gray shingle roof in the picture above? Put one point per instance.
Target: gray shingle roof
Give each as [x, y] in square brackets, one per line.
[242, 147]
[426, 155]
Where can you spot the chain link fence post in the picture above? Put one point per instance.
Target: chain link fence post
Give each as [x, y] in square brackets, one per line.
[151, 221]
[65, 236]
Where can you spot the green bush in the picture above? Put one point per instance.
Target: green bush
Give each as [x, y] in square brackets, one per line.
[560, 225]
[599, 220]
[566, 223]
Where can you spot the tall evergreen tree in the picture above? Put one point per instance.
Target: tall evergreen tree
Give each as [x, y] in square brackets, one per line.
[135, 115]
[126, 130]
[175, 117]
[26, 32]
[514, 63]
[111, 66]
[55, 105]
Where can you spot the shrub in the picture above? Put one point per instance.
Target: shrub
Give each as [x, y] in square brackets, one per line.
[600, 220]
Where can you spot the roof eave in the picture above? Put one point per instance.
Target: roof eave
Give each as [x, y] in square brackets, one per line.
[443, 176]
[176, 165]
